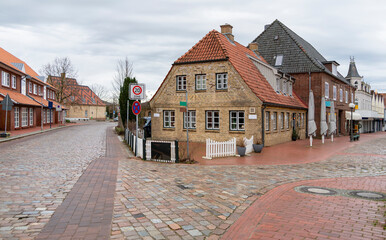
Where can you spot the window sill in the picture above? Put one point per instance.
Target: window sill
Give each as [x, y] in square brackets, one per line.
[168, 129]
[212, 130]
[236, 131]
[190, 130]
[222, 90]
[201, 90]
[180, 91]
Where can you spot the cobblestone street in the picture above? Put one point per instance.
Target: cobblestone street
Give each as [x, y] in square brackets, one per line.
[36, 173]
[59, 185]
[166, 201]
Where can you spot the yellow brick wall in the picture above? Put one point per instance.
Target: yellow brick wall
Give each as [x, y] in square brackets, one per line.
[237, 97]
[93, 112]
[280, 135]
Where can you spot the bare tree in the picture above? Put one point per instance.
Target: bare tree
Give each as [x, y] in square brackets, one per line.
[59, 66]
[58, 73]
[124, 69]
[100, 91]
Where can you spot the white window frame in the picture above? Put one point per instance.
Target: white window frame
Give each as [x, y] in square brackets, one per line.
[341, 95]
[52, 116]
[290, 89]
[45, 116]
[30, 87]
[267, 120]
[17, 117]
[281, 118]
[238, 125]
[35, 89]
[274, 121]
[352, 97]
[212, 119]
[13, 81]
[287, 122]
[200, 82]
[334, 92]
[279, 60]
[346, 96]
[190, 119]
[169, 119]
[181, 83]
[221, 81]
[31, 116]
[24, 117]
[326, 90]
[278, 85]
[6, 79]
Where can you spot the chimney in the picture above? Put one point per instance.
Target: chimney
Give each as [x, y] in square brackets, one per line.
[226, 29]
[253, 46]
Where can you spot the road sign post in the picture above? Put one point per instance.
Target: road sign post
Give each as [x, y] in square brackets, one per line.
[50, 104]
[136, 110]
[7, 106]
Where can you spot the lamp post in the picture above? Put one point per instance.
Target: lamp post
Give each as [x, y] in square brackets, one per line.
[352, 106]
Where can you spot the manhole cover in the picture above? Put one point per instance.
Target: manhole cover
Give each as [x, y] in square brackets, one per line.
[316, 190]
[368, 195]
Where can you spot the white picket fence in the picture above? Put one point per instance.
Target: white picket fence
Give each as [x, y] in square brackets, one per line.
[220, 149]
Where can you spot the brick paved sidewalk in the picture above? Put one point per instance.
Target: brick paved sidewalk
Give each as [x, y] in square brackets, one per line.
[284, 213]
[86, 212]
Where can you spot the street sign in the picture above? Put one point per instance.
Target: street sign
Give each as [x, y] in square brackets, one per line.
[58, 108]
[50, 104]
[7, 103]
[137, 91]
[136, 108]
[183, 104]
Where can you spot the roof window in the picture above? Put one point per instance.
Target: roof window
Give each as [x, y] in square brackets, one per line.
[279, 60]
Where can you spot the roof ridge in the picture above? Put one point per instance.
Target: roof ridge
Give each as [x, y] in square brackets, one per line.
[286, 29]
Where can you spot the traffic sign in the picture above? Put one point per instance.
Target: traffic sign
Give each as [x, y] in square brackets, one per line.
[7, 103]
[58, 108]
[136, 107]
[137, 91]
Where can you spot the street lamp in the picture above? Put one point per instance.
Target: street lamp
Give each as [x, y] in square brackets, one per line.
[352, 106]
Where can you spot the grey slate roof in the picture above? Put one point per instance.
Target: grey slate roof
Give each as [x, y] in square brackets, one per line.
[19, 66]
[299, 56]
[352, 70]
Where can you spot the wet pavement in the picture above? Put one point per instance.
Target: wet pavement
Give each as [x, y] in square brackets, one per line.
[171, 201]
[37, 172]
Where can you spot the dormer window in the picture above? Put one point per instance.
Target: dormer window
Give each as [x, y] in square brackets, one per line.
[14, 82]
[279, 60]
[278, 85]
[334, 69]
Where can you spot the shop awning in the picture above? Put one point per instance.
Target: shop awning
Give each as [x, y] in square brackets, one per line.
[355, 116]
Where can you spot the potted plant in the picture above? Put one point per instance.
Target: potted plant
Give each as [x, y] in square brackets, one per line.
[241, 150]
[258, 147]
[294, 135]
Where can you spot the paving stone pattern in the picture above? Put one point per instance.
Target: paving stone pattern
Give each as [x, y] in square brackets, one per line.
[36, 174]
[174, 201]
[283, 213]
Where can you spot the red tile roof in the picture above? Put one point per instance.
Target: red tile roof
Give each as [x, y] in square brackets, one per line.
[215, 46]
[82, 95]
[8, 59]
[18, 98]
[45, 102]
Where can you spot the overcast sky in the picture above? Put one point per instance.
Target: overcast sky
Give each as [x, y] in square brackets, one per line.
[94, 34]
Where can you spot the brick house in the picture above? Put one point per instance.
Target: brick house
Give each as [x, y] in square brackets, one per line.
[28, 92]
[80, 100]
[291, 54]
[231, 92]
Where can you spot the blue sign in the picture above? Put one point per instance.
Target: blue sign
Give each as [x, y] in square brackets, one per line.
[328, 104]
[136, 108]
[50, 104]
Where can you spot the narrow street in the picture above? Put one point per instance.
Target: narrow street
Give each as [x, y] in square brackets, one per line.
[60, 185]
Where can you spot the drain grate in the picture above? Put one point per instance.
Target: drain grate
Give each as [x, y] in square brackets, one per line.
[367, 195]
[363, 194]
[317, 190]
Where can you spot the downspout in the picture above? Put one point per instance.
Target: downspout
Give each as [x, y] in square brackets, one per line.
[263, 106]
